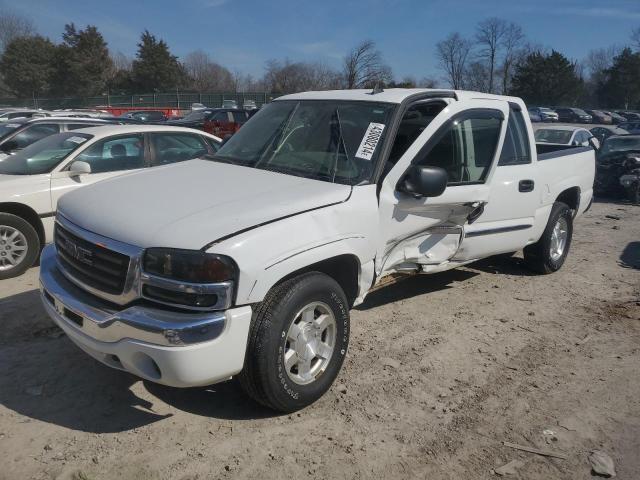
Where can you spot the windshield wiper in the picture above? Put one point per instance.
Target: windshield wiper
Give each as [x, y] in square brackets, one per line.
[344, 146]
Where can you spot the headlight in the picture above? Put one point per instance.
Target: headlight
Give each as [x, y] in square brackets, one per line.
[191, 266]
[188, 278]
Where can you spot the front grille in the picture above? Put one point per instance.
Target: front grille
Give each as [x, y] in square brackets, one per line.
[91, 264]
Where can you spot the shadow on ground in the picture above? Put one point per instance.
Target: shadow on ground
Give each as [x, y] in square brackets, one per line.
[630, 257]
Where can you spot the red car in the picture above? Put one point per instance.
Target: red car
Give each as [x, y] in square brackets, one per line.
[224, 122]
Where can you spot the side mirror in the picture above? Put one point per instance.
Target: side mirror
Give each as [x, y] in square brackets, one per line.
[421, 181]
[79, 168]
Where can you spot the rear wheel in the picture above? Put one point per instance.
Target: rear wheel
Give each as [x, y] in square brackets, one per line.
[297, 342]
[548, 254]
[19, 245]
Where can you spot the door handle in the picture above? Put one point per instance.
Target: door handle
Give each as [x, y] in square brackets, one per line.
[526, 186]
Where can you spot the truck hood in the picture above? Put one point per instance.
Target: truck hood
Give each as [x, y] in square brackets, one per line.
[190, 204]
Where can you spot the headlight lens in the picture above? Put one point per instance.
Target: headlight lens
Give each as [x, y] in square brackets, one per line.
[191, 266]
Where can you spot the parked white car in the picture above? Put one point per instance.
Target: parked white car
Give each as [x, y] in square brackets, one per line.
[248, 262]
[566, 135]
[33, 179]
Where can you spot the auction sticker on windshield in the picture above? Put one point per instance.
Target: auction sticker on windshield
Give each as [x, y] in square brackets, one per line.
[76, 139]
[370, 141]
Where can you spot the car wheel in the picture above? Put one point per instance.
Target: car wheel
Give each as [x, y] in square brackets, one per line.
[548, 254]
[297, 342]
[19, 245]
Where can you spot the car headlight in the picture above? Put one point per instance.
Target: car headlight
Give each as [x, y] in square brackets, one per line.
[189, 278]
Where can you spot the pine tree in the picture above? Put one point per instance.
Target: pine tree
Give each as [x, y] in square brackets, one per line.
[621, 84]
[27, 65]
[155, 68]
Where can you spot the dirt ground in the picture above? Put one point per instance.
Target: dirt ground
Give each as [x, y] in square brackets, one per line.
[441, 370]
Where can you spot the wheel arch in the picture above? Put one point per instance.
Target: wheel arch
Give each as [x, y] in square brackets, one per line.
[26, 213]
[571, 198]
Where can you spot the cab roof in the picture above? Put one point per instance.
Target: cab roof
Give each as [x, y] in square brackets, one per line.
[391, 95]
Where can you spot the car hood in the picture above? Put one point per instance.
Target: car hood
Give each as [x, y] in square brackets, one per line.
[191, 204]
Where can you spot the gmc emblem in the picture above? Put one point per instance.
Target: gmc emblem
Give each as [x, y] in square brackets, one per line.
[77, 252]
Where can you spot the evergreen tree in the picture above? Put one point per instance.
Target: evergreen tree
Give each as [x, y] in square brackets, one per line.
[621, 84]
[546, 79]
[27, 65]
[155, 68]
[83, 63]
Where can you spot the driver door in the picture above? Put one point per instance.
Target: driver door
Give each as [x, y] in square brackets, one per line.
[424, 233]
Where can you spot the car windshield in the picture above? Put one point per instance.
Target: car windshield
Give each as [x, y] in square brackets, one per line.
[332, 141]
[43, 155]
[9, 127]
[579, 111]
[546, 110]
[553, 136]
[197, 115]
[620, 144]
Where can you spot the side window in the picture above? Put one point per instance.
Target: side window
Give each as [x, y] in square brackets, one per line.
[466, 149]
[114, 154]
[239, 117]
[215, 146]
[34, 133]
[177, 147]
[516, 149]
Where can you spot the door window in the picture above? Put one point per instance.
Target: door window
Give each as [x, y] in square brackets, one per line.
[516, 149]
[177, 147]
[114, 154]
[465, 149]
[34, 133]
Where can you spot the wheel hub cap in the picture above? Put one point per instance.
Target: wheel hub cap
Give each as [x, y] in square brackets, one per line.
[559, 239]
[309, 343]
[13, 247]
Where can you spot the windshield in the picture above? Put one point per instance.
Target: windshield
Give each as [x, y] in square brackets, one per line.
[6, 128]
[546, 110]
[332, 141]
[197, 115]
[620, 144]
[43, 155]
[553, 136]
[579, 112]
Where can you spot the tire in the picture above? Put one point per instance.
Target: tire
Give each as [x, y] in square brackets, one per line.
[19, 246]
[539, 256]
[267, 377]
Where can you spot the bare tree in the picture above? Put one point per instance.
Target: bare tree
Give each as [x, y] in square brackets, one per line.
[476, 77]
[206, 75]
[452, 54]
[13, 25]
[428, 82]
[363, 67]
[599, 61]
[513, 43]
[121, 61]
[490, 36]
[287, 76]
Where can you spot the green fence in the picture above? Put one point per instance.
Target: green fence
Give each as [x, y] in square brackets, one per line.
[168, 100]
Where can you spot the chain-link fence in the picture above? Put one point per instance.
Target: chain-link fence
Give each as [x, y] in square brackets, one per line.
[167, 100]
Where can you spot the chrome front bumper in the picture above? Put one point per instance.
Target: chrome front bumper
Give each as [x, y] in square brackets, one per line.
[105, 322]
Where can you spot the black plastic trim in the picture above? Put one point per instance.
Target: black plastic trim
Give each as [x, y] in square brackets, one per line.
[493, 231]
[564, 152]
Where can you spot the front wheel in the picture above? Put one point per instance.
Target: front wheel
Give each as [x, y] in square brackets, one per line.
[297, 342]
[19, 245]
[548, 254]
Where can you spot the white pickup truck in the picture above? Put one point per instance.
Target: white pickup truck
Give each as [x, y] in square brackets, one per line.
[248, 261]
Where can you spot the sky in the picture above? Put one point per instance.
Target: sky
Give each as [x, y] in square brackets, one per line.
[243, 34]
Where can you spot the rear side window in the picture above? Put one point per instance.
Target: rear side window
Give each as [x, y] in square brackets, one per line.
[516, 149]
[240, 117]
[177, 147]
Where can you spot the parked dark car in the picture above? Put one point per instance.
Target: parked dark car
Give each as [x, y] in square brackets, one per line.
[224, 122]
[194, 119]
[534, 117]
[545, 114]
[631, 127]
[611, 163]
[146, 116]
[630, 116]
[615, 117]
[600, 117]
[22, 132]
[573, 115]
[602, 133]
